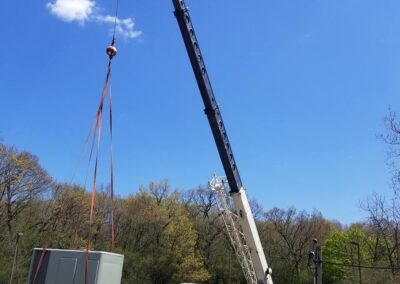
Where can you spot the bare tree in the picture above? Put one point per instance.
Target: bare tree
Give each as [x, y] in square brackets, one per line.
[383, 213]
[392, 138]
[159, 191]
[290, 234]
[384, 223]
[204, 200]
[256, 209]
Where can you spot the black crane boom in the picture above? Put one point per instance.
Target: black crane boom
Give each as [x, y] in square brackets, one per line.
[211, 107]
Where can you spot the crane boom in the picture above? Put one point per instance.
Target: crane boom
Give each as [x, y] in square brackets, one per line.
[241, 204]
[211, 107]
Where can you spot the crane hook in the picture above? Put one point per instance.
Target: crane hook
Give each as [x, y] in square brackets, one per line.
[111, 51]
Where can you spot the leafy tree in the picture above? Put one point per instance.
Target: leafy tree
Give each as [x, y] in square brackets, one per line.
[160, 235]
[22, 180]
[70, 217]
[341, 257]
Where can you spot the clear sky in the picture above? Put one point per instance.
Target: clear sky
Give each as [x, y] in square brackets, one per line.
[303, 87]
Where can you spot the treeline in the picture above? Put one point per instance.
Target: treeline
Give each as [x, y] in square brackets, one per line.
[173, 236]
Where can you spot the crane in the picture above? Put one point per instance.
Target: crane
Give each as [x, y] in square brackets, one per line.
[237, 215]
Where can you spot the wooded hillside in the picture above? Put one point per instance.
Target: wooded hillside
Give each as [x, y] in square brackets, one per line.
[173, 236]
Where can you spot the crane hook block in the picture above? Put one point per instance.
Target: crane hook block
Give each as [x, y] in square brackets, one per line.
[111, 51]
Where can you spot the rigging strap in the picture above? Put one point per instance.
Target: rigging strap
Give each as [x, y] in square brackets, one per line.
[111, 51]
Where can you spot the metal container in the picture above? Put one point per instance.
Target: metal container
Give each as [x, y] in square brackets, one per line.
[68, 267]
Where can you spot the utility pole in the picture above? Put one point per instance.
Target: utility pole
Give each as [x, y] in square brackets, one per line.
[230, 269]
[359, 259]
[316, 257]
[15, 256]
[318, 265]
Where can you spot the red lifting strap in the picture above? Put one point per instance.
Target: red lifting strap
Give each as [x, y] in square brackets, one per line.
[40, 262]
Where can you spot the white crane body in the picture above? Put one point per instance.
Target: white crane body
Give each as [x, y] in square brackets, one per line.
[252, 238]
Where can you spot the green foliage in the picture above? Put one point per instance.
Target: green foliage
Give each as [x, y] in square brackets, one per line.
[335, 251]
[162, 237]
[22, 185]
[342, 251]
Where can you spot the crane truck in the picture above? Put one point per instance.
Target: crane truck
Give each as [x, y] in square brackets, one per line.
[234, 205]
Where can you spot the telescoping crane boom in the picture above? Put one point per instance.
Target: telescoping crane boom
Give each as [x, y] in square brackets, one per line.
[262, 273]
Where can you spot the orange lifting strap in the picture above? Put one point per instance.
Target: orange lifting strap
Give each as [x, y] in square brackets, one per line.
[111, 52]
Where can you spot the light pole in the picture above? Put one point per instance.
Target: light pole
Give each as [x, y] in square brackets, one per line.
[15, 256]
[359, 258]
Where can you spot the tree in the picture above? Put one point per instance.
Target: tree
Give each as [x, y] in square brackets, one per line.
[158, 238]
[384, 212]
[384, 227]
[69, 221]
[392, 138]
[22, 184]
[22, 180]
[341, 252]
[212, 242]
[288, 235]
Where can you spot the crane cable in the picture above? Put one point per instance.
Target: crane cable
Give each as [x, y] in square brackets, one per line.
[112, 51]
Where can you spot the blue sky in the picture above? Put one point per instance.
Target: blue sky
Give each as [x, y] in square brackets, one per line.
[303, 87]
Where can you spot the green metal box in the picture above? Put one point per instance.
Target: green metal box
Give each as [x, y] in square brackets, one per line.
[68, 267]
